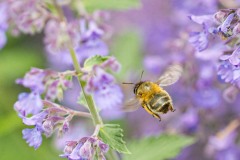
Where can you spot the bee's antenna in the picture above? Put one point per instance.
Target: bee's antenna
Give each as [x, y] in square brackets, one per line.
[141, 75]
[127, 83]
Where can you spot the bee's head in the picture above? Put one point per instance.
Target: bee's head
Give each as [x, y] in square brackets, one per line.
[136, 87]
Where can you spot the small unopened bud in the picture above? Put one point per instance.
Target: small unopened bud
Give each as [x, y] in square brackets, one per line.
[48, 128]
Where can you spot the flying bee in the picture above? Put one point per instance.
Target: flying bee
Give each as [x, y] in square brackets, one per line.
[151, 96]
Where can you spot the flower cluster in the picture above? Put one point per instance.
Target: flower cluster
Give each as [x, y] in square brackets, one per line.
[30, 20]
[223, 24]
[69, 39]
[85, 148]
[31, 107]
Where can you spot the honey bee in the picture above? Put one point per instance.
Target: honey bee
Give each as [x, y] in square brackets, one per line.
[151, 96]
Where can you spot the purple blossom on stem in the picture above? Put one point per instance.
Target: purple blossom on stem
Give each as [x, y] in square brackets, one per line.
[84, 149]
[91, 42]
[33, 136]
[55, 88]
[28, 15]
[229, 73]
[199, 40]
[46, 81]
[234, 58]
[225, 26]
[34, 80]
[46, 122]
[203, 19]
[28, 104]
[60, 35]
[36, 119]
[106, 94]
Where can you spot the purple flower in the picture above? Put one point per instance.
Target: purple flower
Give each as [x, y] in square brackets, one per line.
[59, 36]
[34, 80]
[203, 19]
[36, 119]
[199, 40]
[225, 26]
[229, 73]
[28, 15]
[55, 88]
[28, 104]
[91, 41]
[33, 136]
[234, 58]
[112, 64]
[86, 148]
[106, 94]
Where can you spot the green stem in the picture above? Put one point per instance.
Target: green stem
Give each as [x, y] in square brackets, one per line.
[92, 108]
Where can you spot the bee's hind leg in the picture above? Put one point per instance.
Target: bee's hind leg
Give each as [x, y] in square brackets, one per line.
[172, 109]
[157, 116]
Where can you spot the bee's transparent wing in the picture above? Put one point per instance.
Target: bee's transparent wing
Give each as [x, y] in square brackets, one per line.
[131, 105]
[170, 76]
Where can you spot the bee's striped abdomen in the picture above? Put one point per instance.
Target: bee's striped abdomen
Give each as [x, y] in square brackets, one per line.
[160, 102]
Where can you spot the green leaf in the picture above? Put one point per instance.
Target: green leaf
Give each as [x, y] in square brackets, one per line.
[92, 5]
[112, 135]
[160, 148]
[94, 60]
